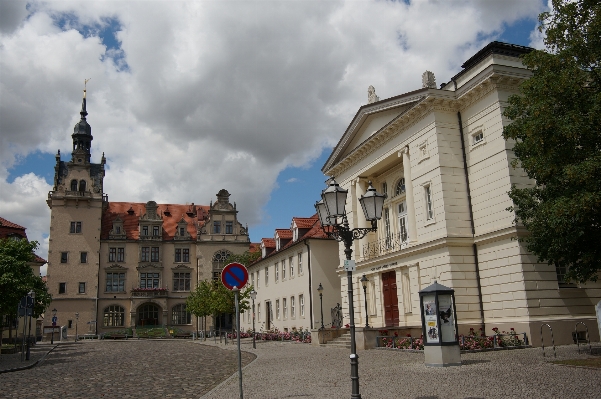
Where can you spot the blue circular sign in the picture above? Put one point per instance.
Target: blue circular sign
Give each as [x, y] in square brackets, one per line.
[234, 275]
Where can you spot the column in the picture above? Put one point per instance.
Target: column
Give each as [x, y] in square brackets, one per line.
[411, 225]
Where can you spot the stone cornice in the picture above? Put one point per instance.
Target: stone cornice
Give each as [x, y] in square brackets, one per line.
[436, 100]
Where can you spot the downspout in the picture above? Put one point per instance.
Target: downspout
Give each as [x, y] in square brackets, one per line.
[471, 213]
[310, 281]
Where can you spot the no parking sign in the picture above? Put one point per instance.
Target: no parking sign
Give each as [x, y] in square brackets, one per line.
[234, 275]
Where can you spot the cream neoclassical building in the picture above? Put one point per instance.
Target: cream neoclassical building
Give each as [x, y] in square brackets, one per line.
[127, 264]
[292, 266]
[439, 155]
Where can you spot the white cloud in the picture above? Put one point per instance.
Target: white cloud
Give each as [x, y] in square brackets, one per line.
[292, 180]
[218, 94]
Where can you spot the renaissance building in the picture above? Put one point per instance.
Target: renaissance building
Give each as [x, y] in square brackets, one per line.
[126, 264]
[440, 156]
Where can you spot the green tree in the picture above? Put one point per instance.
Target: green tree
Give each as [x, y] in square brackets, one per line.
[246, 259]
[557, 134]
[17, 278]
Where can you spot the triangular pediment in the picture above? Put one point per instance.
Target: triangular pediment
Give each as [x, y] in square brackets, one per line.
[369, 120]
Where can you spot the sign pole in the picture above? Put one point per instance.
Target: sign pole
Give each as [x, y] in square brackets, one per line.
[236, 297]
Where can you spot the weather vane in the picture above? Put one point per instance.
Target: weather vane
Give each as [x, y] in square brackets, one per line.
[85, 82]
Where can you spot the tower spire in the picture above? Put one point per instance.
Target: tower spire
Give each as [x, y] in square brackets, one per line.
[82, 134]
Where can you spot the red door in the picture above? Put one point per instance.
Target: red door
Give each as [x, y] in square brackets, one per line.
[391, 302]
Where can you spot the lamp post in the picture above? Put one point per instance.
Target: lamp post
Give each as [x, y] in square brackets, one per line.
[29, 311]
[253, 296]
[364, 281]
[53, 324]
[320, 290]
[76, 320]
[332, 216]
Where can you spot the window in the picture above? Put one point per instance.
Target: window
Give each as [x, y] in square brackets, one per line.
[118, 229]
[300, 263]
[182, 231]
[178, 254]
[145, 256]
[62, 288]
[429, 211]
[155, 231]
[277, 271]
[145, 230]
[258, 278]
[400, 187]
[291, 264]
[73, 185]
[277, 309]
[112, 254]
[388, 241]
[114, 316]
[284, 308]
[283, 270]
[185, 255]
[181, 281]
[216, 227]
[83, 257]
[149, 280]
[301, 304]
[64, 258]
[477, 137]
[82, 288]
[154, 254]
[120, 254]
[402, 215]
[292, 307]
[229, 227]
[179, 315]
[115, 282]
[70, 323]
[75, 227]
[267, 275]
[385, 188]
[82, 185]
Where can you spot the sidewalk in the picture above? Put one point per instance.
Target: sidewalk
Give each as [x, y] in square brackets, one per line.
[293, 370]
[13, 361]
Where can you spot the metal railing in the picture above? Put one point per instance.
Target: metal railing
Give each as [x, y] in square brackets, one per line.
[149, 293]
[383, 246]
[543, 342]
[578, 339]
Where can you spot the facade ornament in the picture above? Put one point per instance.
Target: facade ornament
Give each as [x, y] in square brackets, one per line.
[428, 80]
[371, 95]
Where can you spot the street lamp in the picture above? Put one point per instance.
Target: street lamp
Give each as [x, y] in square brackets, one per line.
[332, 216]
[76, 320]
[53, 324]
[253, 296]
[320, 290]
[29, 310]
[364, 281]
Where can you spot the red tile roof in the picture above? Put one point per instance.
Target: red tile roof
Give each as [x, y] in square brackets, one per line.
[6, 223]
[131, 212]
[268, 242]
[284, 234]
[305, 223]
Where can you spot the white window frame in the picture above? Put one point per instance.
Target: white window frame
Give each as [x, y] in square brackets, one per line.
[477, 138]
[292, 307]
[266, 276]
[277, 271]
[284, 309]
[300, 263]
[277, 309]
[291, 266]
[430, 216]
[301, 304]
[283, 269]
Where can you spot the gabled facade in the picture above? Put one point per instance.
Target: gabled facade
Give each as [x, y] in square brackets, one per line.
[439, 155]
[127, 264]
[292, 266]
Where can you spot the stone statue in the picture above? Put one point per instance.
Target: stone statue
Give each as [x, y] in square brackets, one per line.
[428, 80]
[371, 95]
[337, 316]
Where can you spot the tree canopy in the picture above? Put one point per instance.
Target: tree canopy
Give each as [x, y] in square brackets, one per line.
[556, 129]
[17, 278]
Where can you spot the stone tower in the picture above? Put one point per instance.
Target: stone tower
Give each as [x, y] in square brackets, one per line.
[76, 202]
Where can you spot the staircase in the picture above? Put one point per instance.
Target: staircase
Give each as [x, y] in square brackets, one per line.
[344, 341]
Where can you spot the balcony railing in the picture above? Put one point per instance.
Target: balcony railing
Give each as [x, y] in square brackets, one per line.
[149, 292]
[384, 246]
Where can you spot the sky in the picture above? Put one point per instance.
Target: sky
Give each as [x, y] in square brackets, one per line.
[190, 97]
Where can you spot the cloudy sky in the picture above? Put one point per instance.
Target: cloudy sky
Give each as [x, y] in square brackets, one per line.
[188, 97]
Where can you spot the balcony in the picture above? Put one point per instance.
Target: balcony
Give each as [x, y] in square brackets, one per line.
[384, 246]
[149, 293]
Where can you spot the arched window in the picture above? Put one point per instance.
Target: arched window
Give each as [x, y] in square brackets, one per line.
[400, 187]
[179, 315]
[148, 315]
[114, 316]
[73, 185]
[219, 259]
[82, 186]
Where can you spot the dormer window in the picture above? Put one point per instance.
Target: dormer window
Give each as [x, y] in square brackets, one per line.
[263, 251]
[277, 244]
[295, 234]
[118, 230]
[182, 231]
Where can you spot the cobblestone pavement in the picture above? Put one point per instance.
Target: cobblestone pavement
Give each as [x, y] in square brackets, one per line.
[13, 361]
[292, 370]
[124, 369]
